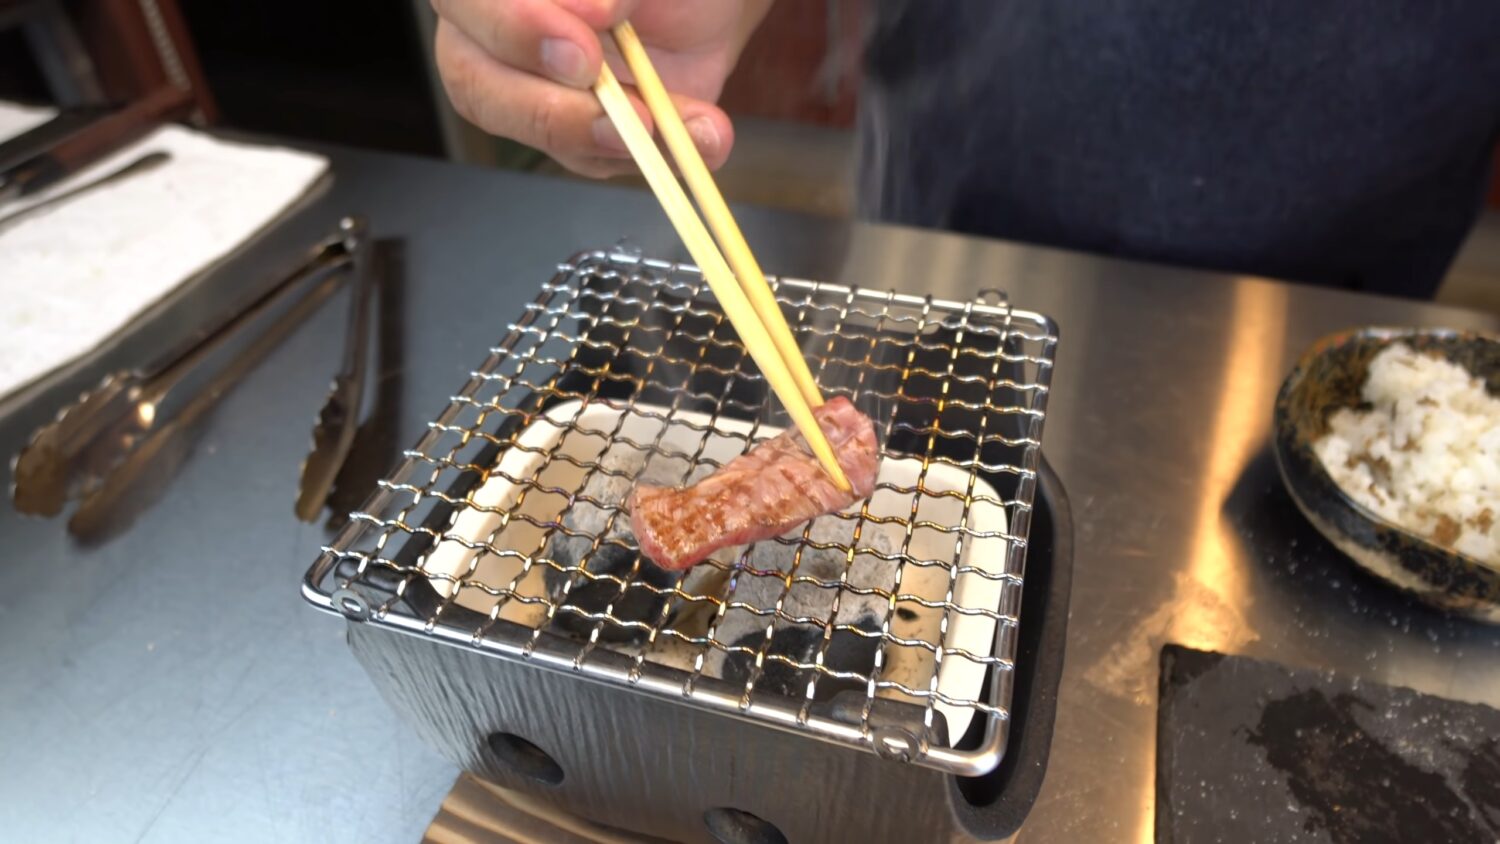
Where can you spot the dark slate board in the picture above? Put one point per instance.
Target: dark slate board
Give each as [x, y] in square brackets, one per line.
[1254, 751]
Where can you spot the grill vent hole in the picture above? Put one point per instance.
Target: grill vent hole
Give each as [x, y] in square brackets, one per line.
[732, 826]
[525, 758]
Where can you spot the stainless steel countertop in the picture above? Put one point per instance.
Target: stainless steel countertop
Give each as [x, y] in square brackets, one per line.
[169, 685]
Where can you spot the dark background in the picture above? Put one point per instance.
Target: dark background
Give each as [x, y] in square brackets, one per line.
[345, 71]
[350, 72]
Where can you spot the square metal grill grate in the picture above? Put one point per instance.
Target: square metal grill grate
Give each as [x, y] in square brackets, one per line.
[889, 627]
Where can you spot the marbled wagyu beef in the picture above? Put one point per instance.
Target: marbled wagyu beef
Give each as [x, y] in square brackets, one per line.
[763, 493]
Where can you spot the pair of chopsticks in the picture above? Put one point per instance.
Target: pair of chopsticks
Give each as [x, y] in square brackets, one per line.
[744, 293]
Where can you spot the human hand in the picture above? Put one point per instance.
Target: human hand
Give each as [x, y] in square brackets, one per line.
[523, 69]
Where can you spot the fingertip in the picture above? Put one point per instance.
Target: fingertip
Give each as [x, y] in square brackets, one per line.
[616, 167]
[712, 133]
[707, 139]
[643, 113]
[607, 138]
[597, 168]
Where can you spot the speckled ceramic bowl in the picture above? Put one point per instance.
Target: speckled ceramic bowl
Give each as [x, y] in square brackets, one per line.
[1330, 376]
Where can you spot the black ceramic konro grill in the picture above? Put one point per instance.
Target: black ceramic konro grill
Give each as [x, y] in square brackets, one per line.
[883, 673]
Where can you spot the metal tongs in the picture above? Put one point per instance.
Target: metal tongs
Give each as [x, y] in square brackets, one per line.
[338, 421]
[98, 447]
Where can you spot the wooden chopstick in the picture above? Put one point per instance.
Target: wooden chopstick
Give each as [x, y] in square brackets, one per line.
[742, 315]
[711, 202]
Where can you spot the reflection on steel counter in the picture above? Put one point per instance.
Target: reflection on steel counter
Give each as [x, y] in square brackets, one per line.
[891, 631]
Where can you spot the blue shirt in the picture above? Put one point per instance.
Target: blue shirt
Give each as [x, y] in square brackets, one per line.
[1340, 143]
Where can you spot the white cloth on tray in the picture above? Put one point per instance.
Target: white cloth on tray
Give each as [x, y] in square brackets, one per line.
[74, 274]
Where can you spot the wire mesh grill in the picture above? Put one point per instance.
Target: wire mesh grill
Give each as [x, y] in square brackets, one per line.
[890, 626]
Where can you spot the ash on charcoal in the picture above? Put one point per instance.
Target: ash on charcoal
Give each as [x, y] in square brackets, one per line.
[615, 553]
[761, 586]
[848, 651]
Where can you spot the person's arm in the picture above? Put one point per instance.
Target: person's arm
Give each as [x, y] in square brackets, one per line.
[522, 69]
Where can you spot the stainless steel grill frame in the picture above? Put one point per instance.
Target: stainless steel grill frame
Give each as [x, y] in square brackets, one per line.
[618, 322]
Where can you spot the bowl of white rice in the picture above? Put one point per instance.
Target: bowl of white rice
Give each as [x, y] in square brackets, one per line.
[1389, 441]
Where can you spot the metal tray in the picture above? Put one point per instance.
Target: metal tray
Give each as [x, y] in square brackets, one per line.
[891, 627]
